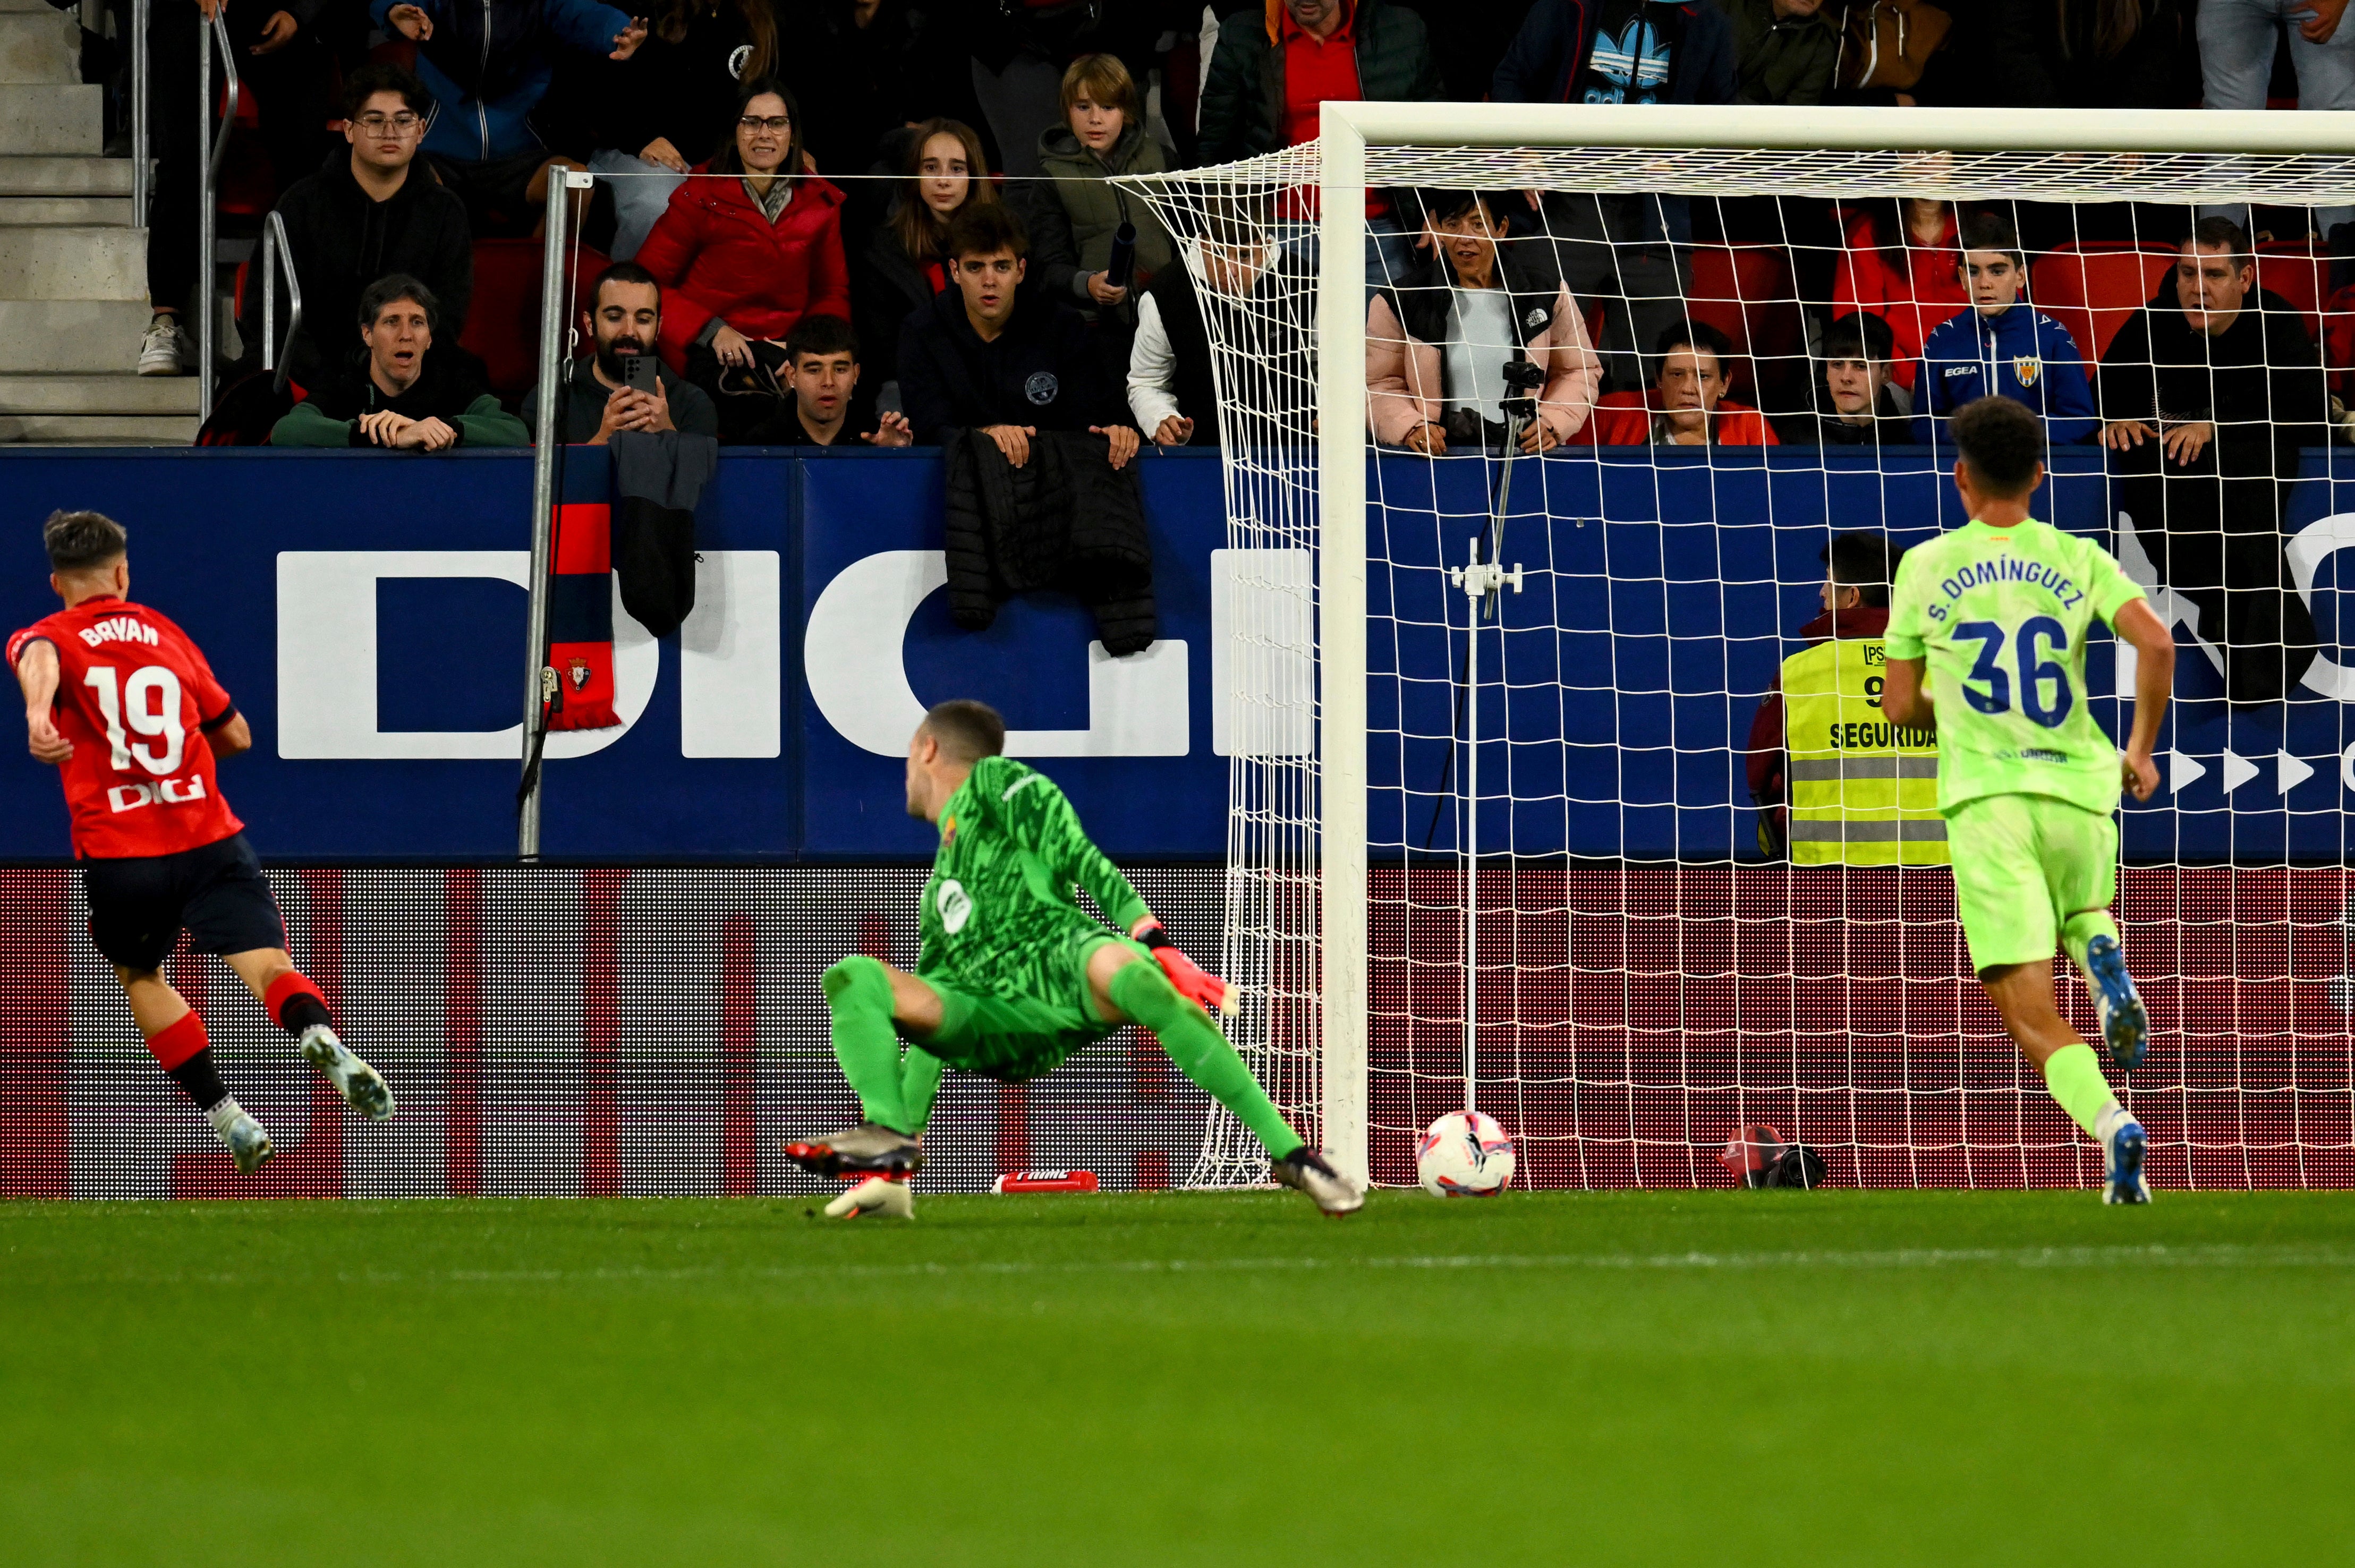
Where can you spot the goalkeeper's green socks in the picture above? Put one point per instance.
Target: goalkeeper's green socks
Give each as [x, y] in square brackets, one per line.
[919, 1083]
[1143, 992]
[2074, 1075]
[858, 996]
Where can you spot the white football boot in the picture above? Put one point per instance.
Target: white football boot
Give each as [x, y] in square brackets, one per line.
[247, 1140]
[362, 1087]
[877, 1195]
[1308, 1170]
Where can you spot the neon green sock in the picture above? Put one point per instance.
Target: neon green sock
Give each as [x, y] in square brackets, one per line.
[2082, 929]
[859, 995]
[919, 1085]
[1143, 992]
[2074, 1075]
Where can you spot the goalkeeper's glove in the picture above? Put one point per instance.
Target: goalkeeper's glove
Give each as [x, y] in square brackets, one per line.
[1193, 982]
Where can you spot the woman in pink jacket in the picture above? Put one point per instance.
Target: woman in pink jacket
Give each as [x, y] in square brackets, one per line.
[1437, 344]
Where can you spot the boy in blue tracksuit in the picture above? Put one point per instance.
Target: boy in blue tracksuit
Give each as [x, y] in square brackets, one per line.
[2001, 348]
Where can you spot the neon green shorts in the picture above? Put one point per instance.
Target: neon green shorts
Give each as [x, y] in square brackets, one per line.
[1014, 1037]
[2023, 865]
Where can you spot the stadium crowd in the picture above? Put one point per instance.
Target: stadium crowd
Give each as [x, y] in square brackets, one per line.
[416, 140]
[873, 221]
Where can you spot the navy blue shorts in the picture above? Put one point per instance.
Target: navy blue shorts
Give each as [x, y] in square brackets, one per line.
[139, 905]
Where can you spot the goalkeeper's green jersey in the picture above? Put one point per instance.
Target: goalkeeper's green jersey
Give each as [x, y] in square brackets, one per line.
[2001, 615]
[999, 914]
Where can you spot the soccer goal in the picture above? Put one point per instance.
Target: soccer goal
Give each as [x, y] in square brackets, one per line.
[1496, 630]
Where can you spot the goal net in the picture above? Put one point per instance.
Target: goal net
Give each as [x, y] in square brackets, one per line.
[1497, 624]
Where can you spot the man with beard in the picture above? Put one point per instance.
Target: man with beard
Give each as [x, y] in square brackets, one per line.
[623, 318]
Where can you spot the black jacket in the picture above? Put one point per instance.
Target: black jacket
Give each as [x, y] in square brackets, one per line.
[1064, 520]
[1040, 372]
[341, 241]
[886, 286]
[2028, 54]
[2260, 382]
[1823, 426]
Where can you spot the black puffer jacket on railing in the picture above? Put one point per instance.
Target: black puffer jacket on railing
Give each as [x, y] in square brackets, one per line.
[1064, 520]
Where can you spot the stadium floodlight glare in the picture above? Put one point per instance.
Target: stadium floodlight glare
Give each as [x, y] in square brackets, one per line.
[1315, 907]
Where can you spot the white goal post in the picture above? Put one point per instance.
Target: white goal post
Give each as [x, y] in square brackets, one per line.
[2178, 159]
[2143, 141]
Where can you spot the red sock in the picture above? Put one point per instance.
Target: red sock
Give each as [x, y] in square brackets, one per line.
[175, 1043]
[295, 1003]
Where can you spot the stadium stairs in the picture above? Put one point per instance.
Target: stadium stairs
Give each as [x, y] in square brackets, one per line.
[73, 268]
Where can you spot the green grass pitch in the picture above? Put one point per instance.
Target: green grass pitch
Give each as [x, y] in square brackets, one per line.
[1831, 1378]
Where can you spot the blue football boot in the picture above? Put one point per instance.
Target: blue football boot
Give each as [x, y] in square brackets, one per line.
[2122, 1180]
[2126, 1025]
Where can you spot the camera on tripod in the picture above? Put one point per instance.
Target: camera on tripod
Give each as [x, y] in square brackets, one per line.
[1522, 379]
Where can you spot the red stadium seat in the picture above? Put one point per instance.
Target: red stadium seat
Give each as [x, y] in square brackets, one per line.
[503, 324]
[2092, 288]
[1745, 292]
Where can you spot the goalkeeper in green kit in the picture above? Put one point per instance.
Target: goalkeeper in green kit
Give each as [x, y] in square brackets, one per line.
[1016, 975]
[2029, 784]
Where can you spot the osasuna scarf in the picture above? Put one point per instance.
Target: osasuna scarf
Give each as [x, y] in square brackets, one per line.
[580, 604]
[645, 527]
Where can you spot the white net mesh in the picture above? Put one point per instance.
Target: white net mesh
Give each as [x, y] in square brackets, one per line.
[1586, 914]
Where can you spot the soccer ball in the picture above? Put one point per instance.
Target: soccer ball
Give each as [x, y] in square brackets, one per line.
[1464, 1154]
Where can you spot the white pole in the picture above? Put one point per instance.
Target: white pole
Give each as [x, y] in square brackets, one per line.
[1473, 602]
[141, 174]
[204, 300]
[1341, 640]
[553, 396]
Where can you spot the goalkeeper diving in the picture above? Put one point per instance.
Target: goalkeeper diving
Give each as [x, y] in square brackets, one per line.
[1016, 975]
[1996, 612]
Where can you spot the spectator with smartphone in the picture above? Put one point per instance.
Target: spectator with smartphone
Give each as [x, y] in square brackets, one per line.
[623, 384]
[1074, 215]
[400, 392]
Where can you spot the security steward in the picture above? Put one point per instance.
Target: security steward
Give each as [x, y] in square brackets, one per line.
[1835, 783]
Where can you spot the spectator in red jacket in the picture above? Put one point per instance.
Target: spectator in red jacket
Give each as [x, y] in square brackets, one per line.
[1687, 405]
[1900, 265]
[741, 259]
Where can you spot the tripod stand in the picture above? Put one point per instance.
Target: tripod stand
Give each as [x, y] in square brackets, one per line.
[1483, 584]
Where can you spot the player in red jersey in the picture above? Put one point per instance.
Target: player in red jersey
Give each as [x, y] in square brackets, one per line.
[123, 704]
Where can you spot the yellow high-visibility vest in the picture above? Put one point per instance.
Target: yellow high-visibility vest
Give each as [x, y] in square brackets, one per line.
[1864, 792]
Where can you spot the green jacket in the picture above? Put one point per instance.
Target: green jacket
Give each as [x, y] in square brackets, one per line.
[449, 387]
[1072, 221]
[1787, 62]
[1242, 113]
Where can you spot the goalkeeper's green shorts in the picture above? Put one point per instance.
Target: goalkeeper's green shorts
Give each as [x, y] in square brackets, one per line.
[1012, 1035]
[2023, 865]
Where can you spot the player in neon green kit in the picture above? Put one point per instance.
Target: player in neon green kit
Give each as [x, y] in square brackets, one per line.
[1999, 609]
[1016, 975]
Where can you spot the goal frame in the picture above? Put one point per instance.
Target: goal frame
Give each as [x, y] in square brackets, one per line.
[1347, 130]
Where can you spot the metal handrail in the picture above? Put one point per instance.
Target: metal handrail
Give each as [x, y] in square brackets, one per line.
[141, 176]
[540, 679]
[209, 174]
[276, 253]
